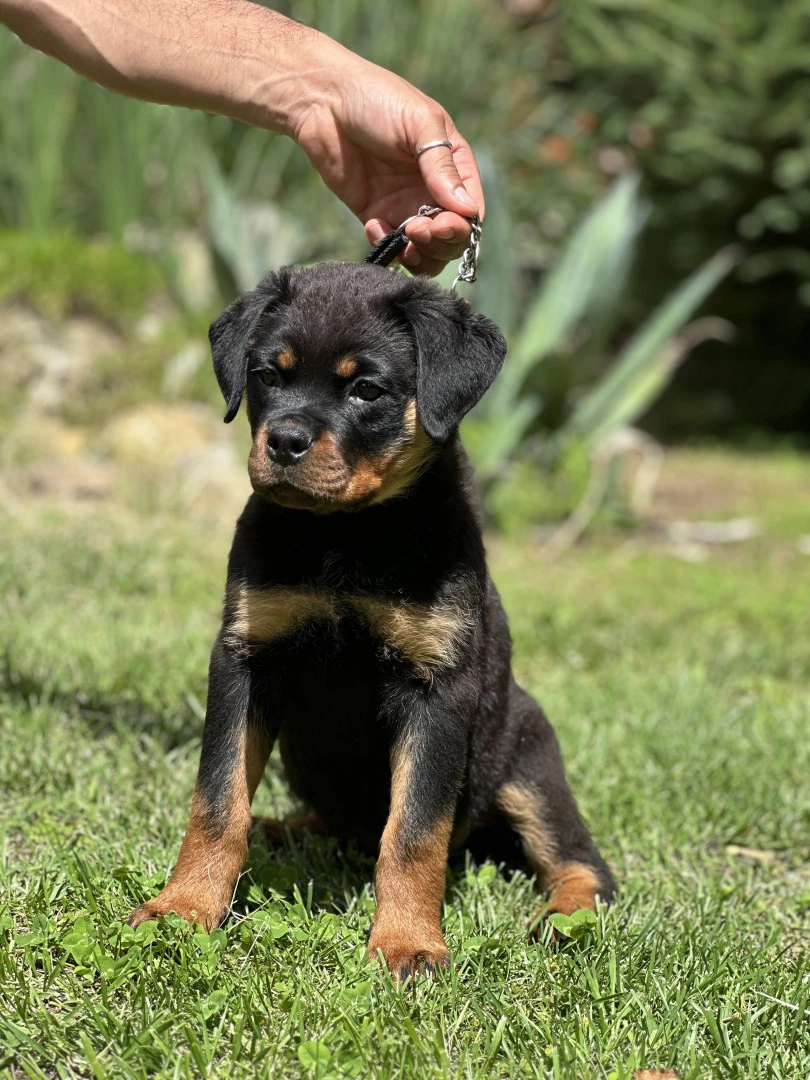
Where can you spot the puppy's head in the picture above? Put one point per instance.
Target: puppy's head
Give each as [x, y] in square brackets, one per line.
[354, 377]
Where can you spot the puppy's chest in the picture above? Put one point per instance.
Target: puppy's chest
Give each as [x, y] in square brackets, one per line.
[428, 636]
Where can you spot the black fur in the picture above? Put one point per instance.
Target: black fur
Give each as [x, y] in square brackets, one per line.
[459, 353]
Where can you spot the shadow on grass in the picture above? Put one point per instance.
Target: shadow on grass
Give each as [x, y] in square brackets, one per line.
[103, 712]
[330, 875]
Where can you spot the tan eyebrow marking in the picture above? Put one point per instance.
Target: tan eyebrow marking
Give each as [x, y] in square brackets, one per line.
[346, 367]
[285, 360]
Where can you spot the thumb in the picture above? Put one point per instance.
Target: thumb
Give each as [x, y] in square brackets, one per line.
[441, 175]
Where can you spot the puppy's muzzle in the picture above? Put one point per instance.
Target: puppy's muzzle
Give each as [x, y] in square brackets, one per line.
[288, 441]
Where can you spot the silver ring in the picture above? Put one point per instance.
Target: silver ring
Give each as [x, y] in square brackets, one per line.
[430, 145]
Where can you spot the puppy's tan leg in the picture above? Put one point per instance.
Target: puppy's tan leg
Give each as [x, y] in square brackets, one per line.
[537, 801]
[237, 741]
[213, 852]
[571, 884]
[410, 881]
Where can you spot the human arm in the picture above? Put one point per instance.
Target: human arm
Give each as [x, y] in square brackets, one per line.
[358, 123]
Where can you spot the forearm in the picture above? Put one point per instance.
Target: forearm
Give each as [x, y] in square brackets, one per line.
[223, 56]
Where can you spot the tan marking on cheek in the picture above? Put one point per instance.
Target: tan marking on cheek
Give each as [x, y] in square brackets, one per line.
[285, 360]
[375, 479]
[571, 884]
[261, 469]
[261, 616]
[409, 879]
[366, 479]
[409, 459]
[346, 367]
[428, 636]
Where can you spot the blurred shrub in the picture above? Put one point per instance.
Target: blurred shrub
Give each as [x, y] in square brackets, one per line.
[712, 103]
[63, 273]
[708, 103]
[561, 392]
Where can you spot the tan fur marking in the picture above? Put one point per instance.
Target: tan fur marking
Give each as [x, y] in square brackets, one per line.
[324, 468]
[571, 885]
[285, 360]
[407, 927]
[201, 886]
[526, 812]
[380, 478]
[265, 615]
[409, 459]
[428, 636]
[346, 367]
[323, 481]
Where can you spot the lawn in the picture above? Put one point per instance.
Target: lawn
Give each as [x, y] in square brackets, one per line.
[680, 690]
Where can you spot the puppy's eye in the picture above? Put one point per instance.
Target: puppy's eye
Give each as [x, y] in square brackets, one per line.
[366, 391]
[270, 377]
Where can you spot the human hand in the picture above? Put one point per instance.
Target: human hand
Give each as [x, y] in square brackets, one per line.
[361, 133]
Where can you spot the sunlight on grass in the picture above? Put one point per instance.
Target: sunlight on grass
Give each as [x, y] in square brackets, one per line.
[680, 694]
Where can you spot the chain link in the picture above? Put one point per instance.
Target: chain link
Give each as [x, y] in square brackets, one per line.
[468, 267]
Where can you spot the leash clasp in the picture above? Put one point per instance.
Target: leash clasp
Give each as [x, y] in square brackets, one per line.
[424, 211]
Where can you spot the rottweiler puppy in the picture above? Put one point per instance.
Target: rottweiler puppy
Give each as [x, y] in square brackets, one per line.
[361, 629]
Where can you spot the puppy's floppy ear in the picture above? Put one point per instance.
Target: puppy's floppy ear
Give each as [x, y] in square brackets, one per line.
[230, 335]
[459, 353]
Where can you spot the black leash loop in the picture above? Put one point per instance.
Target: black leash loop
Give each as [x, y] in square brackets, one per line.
[387, 249]
[392, 243]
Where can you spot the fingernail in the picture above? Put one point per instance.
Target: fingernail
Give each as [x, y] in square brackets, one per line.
[412, 258]
[465, 198]
[447, 233]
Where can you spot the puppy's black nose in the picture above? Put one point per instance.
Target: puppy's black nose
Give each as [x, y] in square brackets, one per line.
[288, 442]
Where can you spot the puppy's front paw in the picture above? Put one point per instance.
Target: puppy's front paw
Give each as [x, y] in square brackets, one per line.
[406, 959]
[193, 907]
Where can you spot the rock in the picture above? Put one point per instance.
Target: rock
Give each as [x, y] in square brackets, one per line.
[183, 455]
[182, 367]
[193, 270]
[44, 437]
[81, 480]
[161, 434]
[88, 340]
[48, 360]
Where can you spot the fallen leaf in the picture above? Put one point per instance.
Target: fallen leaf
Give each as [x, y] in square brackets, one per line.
[751, 853]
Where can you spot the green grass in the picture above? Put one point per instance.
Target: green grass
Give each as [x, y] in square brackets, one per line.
[681, 696]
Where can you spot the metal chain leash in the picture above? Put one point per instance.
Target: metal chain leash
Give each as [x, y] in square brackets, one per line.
[394, 242]
[468, 267]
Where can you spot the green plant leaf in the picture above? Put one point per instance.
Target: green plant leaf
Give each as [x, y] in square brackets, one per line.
[642, 370]
[314, 1055]
[581, 280]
